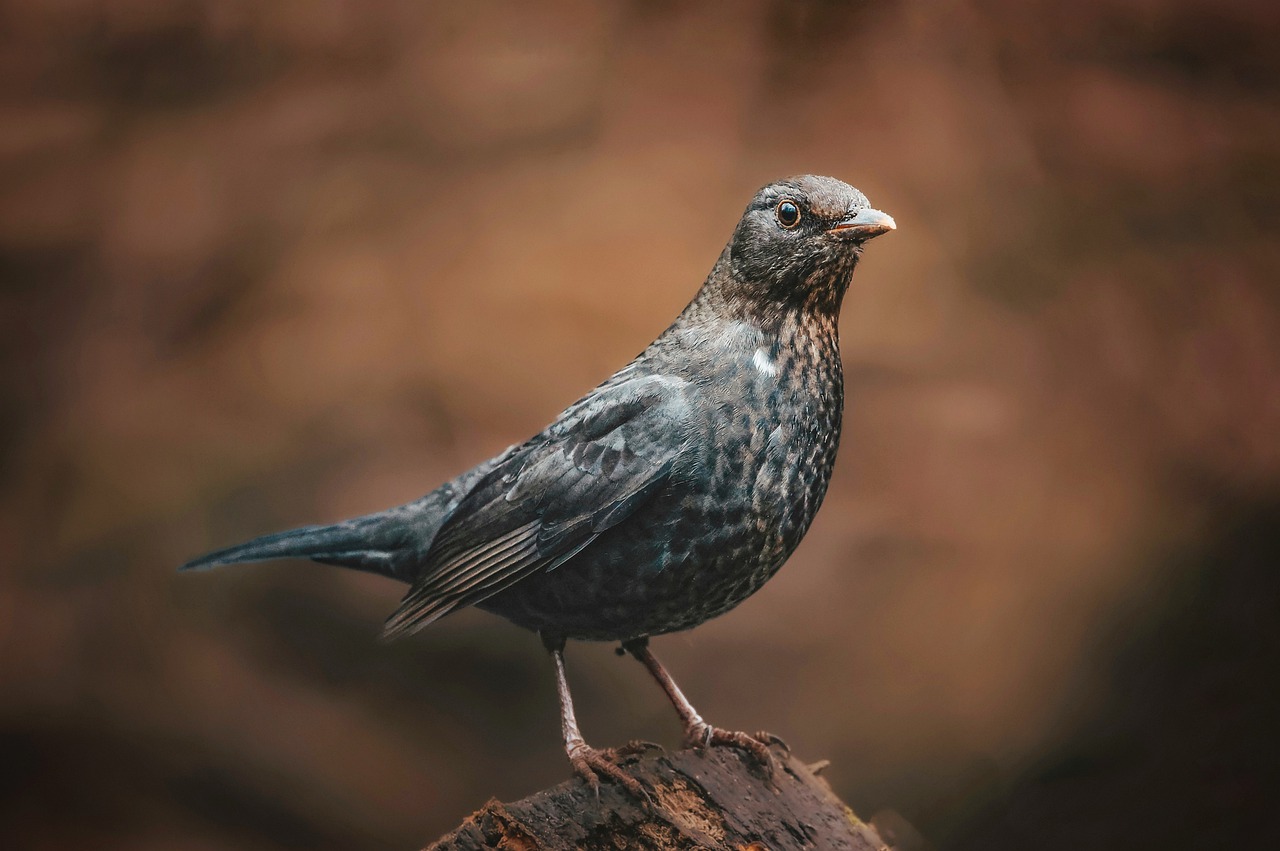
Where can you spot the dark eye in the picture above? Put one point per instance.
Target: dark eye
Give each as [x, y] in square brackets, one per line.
[788, 213]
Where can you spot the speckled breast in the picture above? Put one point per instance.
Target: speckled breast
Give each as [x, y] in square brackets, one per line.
[728, 519]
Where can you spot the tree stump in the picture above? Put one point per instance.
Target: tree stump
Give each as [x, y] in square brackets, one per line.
[717, 798]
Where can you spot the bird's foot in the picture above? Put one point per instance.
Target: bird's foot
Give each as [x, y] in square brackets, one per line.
[589, 763]
[770, 739]
[636, 747]
[757, 745]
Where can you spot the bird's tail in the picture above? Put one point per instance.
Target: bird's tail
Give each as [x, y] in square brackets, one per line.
[391, 543]
[373, 543]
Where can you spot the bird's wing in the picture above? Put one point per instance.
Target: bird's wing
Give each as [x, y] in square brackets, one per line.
[552, 497]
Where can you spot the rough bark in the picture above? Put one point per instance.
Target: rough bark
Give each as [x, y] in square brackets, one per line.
[698, 799]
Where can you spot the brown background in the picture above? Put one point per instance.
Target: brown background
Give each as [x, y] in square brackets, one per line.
[264, 264]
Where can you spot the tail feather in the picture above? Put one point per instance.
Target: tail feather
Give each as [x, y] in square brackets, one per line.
[392, 543]
[365, 543]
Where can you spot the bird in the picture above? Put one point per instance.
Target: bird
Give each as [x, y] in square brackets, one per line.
[662, 498]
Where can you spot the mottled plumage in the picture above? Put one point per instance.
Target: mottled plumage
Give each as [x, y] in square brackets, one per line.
[668, 494]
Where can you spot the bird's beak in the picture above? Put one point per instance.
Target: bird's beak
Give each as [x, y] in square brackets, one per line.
[864, 224]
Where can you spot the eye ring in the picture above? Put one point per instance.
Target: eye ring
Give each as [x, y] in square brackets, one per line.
[788, 213]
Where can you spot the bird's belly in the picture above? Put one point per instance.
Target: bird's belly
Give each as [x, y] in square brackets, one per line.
[623, 587]
[688, 556]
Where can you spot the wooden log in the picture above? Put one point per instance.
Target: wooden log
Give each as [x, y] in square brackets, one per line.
[717, 798]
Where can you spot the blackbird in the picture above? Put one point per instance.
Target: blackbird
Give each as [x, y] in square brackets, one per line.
[662, 498]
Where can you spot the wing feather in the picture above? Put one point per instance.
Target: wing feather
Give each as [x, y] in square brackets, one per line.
[466, 573]
[549, 499]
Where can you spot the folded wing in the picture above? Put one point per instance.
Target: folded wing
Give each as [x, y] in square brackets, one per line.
[552, 497]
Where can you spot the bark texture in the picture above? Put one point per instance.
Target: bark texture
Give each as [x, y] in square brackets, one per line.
[698, 799]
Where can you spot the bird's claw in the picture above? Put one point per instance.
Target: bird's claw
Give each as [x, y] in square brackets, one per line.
[636, 747]
[771, 739]
[705, 736]
[589, 763]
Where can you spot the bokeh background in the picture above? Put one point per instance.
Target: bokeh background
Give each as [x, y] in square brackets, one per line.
[266, 264]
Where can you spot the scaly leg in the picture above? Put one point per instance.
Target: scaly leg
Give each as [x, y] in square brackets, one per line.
[698, 733]
[587, 762]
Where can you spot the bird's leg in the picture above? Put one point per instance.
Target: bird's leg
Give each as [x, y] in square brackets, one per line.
[586, 760]
[698, 733]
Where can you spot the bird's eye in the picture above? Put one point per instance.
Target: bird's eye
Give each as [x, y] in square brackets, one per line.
[788, 213]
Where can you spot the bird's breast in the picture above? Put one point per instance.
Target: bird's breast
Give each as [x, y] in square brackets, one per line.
[774, 435]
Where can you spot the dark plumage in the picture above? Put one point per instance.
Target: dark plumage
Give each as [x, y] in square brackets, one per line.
[667, 495]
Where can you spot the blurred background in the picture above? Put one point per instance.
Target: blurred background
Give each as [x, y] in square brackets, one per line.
[264, 265]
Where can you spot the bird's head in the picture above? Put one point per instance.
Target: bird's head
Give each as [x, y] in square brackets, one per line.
[800, 238]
